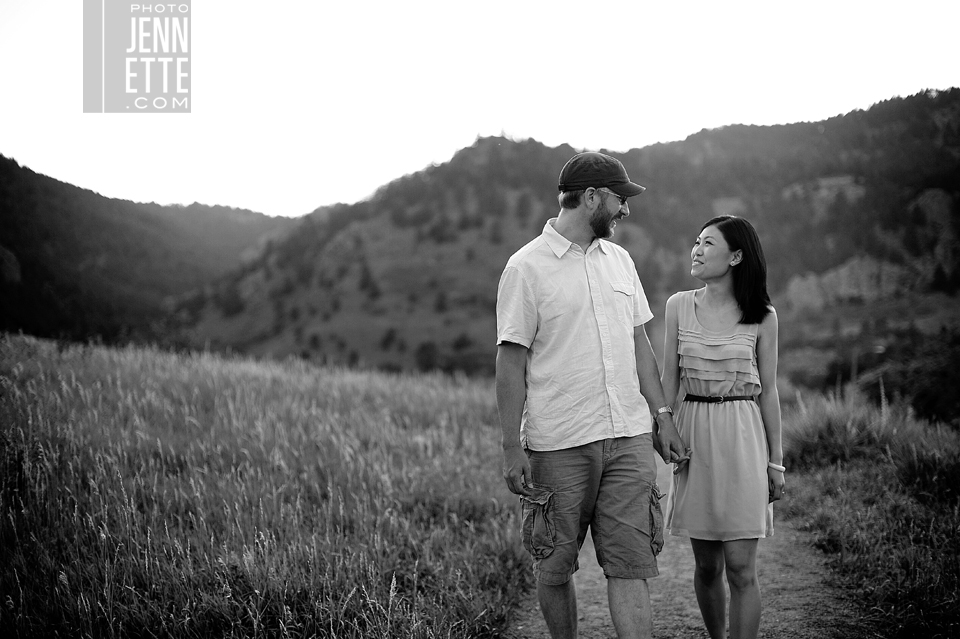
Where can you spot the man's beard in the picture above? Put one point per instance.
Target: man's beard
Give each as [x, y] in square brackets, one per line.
[601, 222]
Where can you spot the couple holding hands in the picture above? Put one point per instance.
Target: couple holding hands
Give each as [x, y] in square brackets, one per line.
[583, 406]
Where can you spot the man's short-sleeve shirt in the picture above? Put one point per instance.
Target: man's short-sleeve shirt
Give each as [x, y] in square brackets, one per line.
[575, 312]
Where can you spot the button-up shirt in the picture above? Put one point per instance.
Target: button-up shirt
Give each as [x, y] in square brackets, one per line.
[575, 312]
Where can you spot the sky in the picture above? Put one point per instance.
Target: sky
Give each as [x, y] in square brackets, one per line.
[297, 104]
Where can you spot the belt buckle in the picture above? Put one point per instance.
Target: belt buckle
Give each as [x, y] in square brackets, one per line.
[719, 399]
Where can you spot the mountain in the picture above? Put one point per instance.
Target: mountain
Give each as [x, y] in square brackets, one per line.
[408, 278]
[75, 264]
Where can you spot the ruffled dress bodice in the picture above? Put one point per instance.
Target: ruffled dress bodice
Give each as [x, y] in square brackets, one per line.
[716, 363]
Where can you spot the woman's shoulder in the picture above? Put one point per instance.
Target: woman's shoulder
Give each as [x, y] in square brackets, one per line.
[680, 296]
[770, 321]
[680, 306]
[675, 301]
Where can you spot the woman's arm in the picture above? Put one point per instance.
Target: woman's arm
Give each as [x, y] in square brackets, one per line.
[670, 377]
[770, 400]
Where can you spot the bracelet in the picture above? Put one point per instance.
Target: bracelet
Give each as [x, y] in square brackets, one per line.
[776, 466]
[664, 409]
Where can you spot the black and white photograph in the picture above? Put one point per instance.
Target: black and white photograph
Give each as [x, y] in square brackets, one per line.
[519, 320]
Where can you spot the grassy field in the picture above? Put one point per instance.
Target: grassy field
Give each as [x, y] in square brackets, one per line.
[149, 494]
[881, 491]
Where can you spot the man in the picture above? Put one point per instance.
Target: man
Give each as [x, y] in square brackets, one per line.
[576, 376]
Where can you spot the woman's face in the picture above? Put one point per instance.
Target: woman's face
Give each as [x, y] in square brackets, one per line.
[711, 257]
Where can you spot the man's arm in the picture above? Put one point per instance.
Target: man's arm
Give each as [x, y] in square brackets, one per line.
[511, 396]
[670, 445]
[670, 377]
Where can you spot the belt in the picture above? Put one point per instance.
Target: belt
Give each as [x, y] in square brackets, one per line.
[719, 399]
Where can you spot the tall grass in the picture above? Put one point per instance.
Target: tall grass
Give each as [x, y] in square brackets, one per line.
[881, 490]
[147, 494]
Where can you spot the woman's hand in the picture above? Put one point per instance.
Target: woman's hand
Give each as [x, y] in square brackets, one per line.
[682, 461]
[775, 484]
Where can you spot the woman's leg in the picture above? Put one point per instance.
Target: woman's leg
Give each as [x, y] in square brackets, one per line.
[708, 584]
[740, 557]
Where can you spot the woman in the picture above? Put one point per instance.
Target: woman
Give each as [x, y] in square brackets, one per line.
[721, 348]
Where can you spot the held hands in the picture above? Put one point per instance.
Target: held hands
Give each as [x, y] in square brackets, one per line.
[682, 461]
[516, 470]
[667, 443]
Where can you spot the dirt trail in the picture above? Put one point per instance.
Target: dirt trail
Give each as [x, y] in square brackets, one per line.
[798, 603]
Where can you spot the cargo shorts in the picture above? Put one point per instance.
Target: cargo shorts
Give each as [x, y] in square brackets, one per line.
[608, 486]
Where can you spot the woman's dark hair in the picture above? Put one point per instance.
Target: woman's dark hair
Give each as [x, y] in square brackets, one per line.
[750, 275]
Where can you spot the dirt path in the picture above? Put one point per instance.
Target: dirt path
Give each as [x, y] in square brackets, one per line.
[798, 603]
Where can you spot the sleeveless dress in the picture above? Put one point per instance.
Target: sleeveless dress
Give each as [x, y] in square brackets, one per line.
[722, 495]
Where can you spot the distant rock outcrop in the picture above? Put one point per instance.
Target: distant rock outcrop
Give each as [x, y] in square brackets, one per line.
[939, 246]
[823, 191]
[918, 253]
[860, 279]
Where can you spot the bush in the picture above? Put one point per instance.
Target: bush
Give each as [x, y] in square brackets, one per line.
[932, 476]
[229, 301]
[919, 368]
[427, 356]
[840, 430]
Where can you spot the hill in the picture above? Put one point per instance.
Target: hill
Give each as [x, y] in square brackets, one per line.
[857, 209]
[75, 264]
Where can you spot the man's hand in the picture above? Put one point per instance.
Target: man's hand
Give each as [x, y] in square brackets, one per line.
[667, 443]
[516, 470]
[657, 445]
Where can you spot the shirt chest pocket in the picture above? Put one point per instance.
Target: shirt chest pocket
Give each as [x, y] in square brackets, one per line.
[623, 299]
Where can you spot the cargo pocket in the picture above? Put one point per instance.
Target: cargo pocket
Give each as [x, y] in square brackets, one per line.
[656, 520]
[538, 527]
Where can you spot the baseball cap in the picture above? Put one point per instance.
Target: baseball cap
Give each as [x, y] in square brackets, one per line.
[597, 169]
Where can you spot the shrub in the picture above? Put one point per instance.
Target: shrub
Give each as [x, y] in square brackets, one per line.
[836, 430]
[229, 301]
[427, 356]
[918, 368]
[931, 474]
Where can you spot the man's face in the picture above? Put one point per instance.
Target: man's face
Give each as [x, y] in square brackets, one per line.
[604, 219]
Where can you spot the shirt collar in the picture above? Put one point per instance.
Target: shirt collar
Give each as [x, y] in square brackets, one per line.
[560, 245]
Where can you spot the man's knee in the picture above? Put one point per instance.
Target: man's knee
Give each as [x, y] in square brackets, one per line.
[628, 585]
